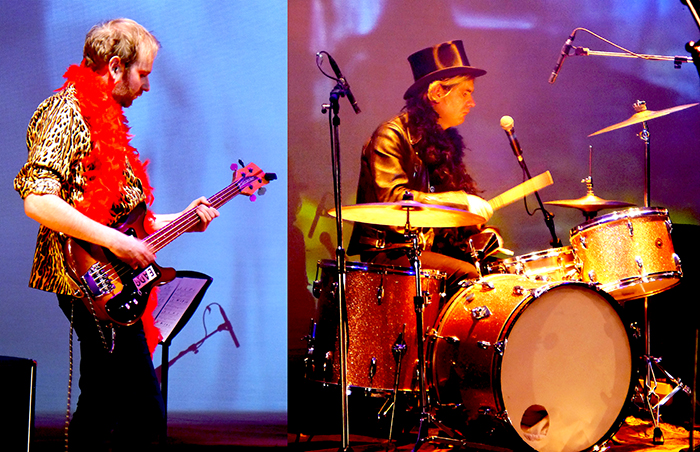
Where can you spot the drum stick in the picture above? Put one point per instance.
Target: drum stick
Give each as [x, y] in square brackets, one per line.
[522, 190]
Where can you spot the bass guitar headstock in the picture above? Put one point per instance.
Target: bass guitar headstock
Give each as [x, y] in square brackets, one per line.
[251, 179]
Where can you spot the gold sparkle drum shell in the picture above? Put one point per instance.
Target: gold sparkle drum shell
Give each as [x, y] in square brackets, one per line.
[554, 264]
[550, 360]
[628, 252]
[380, 315]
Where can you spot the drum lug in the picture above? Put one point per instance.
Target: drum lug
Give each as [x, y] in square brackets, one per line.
[328, 363]
[481, 312]
[630, 227]
[677, 261]
[316, 288]
[449, 339]
[582, 239]
[669, 225]
[640, 263]
[372, 368]
[498, 346]
[487, 285]
[592, 276]
[518, 290]
[380, 294]
[484, 345]
[465, 283]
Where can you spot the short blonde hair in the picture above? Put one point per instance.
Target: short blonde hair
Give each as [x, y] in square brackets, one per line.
[447, 84]
[124, 38]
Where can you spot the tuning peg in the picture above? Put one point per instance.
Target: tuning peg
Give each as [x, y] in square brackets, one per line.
[234, 167]
[253, 198]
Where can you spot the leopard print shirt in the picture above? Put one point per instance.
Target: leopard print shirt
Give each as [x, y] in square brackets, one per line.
[57, 140]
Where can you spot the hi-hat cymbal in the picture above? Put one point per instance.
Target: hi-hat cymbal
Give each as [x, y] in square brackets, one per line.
[642, 116]
[418, 215]
[589, 203]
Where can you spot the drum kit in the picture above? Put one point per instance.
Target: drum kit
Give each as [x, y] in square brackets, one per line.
[537, 345]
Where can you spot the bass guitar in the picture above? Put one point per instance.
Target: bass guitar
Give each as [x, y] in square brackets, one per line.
[116, 292]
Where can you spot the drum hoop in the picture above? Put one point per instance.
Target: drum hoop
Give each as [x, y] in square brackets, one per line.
[519, 309]
[501, 415]
[382, 269]
[649, 277]
[511, 321]
[530, 257]
[636, 212]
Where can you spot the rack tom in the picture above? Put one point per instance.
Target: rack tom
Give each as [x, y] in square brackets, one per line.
[628, 252]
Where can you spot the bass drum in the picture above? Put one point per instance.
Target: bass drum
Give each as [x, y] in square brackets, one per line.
[381, 322]
[551, 361]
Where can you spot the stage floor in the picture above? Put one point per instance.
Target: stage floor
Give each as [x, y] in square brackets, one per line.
[634, 435]
[259, 431]
[189, 432]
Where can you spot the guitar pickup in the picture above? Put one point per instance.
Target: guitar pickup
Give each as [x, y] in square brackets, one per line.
[97, 280]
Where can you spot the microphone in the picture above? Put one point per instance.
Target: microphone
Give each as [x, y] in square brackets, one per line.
[564, 53]
[228, 325]
[507, 125]
[342, 80]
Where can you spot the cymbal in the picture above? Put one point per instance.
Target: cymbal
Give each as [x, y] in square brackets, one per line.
[418, 215]
[589, 203]
[642, 116]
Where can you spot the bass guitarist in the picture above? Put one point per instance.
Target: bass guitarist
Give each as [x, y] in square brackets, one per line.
[81, 178]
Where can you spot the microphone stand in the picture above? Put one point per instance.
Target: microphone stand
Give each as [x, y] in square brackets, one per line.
[691, 46]
[334, 121]
[548, 217]
[694, 50]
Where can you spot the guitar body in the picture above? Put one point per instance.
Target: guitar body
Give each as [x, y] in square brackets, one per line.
[117, 292]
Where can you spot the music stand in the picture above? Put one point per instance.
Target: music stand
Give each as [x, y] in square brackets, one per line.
[177, 302]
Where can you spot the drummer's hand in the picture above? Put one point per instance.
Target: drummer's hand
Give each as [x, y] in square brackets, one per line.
[480, 207]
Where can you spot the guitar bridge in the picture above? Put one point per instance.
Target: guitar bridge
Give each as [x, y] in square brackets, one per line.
[97, 280]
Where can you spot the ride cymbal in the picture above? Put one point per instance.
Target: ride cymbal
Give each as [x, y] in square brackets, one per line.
[641, 116]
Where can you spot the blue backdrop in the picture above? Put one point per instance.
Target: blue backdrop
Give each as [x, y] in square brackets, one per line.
[218, 94]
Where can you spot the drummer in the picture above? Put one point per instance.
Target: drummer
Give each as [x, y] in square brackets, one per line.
[420, 151]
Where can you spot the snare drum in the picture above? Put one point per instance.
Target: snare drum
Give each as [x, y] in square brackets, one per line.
[629, 252]
[381, 317]
[554, 264]
[551, 361]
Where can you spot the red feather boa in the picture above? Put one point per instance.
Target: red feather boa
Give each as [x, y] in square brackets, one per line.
[106, 163]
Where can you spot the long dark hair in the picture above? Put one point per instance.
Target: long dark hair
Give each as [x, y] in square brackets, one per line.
[442, 151]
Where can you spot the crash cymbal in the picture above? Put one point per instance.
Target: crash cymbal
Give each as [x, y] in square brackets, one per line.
[589, 203]
[641, 116]
[418, 215]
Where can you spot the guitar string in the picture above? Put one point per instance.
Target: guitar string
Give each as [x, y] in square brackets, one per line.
[168, 233]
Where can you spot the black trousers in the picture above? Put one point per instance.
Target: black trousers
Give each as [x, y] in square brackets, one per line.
[120, 404]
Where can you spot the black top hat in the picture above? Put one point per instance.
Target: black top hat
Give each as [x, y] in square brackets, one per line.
[441, 61]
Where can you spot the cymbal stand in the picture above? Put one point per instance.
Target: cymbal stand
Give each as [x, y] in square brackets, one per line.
[426, 417]
[652, 402]
[398, 350]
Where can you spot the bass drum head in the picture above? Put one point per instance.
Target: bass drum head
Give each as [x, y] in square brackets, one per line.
[566, 371]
